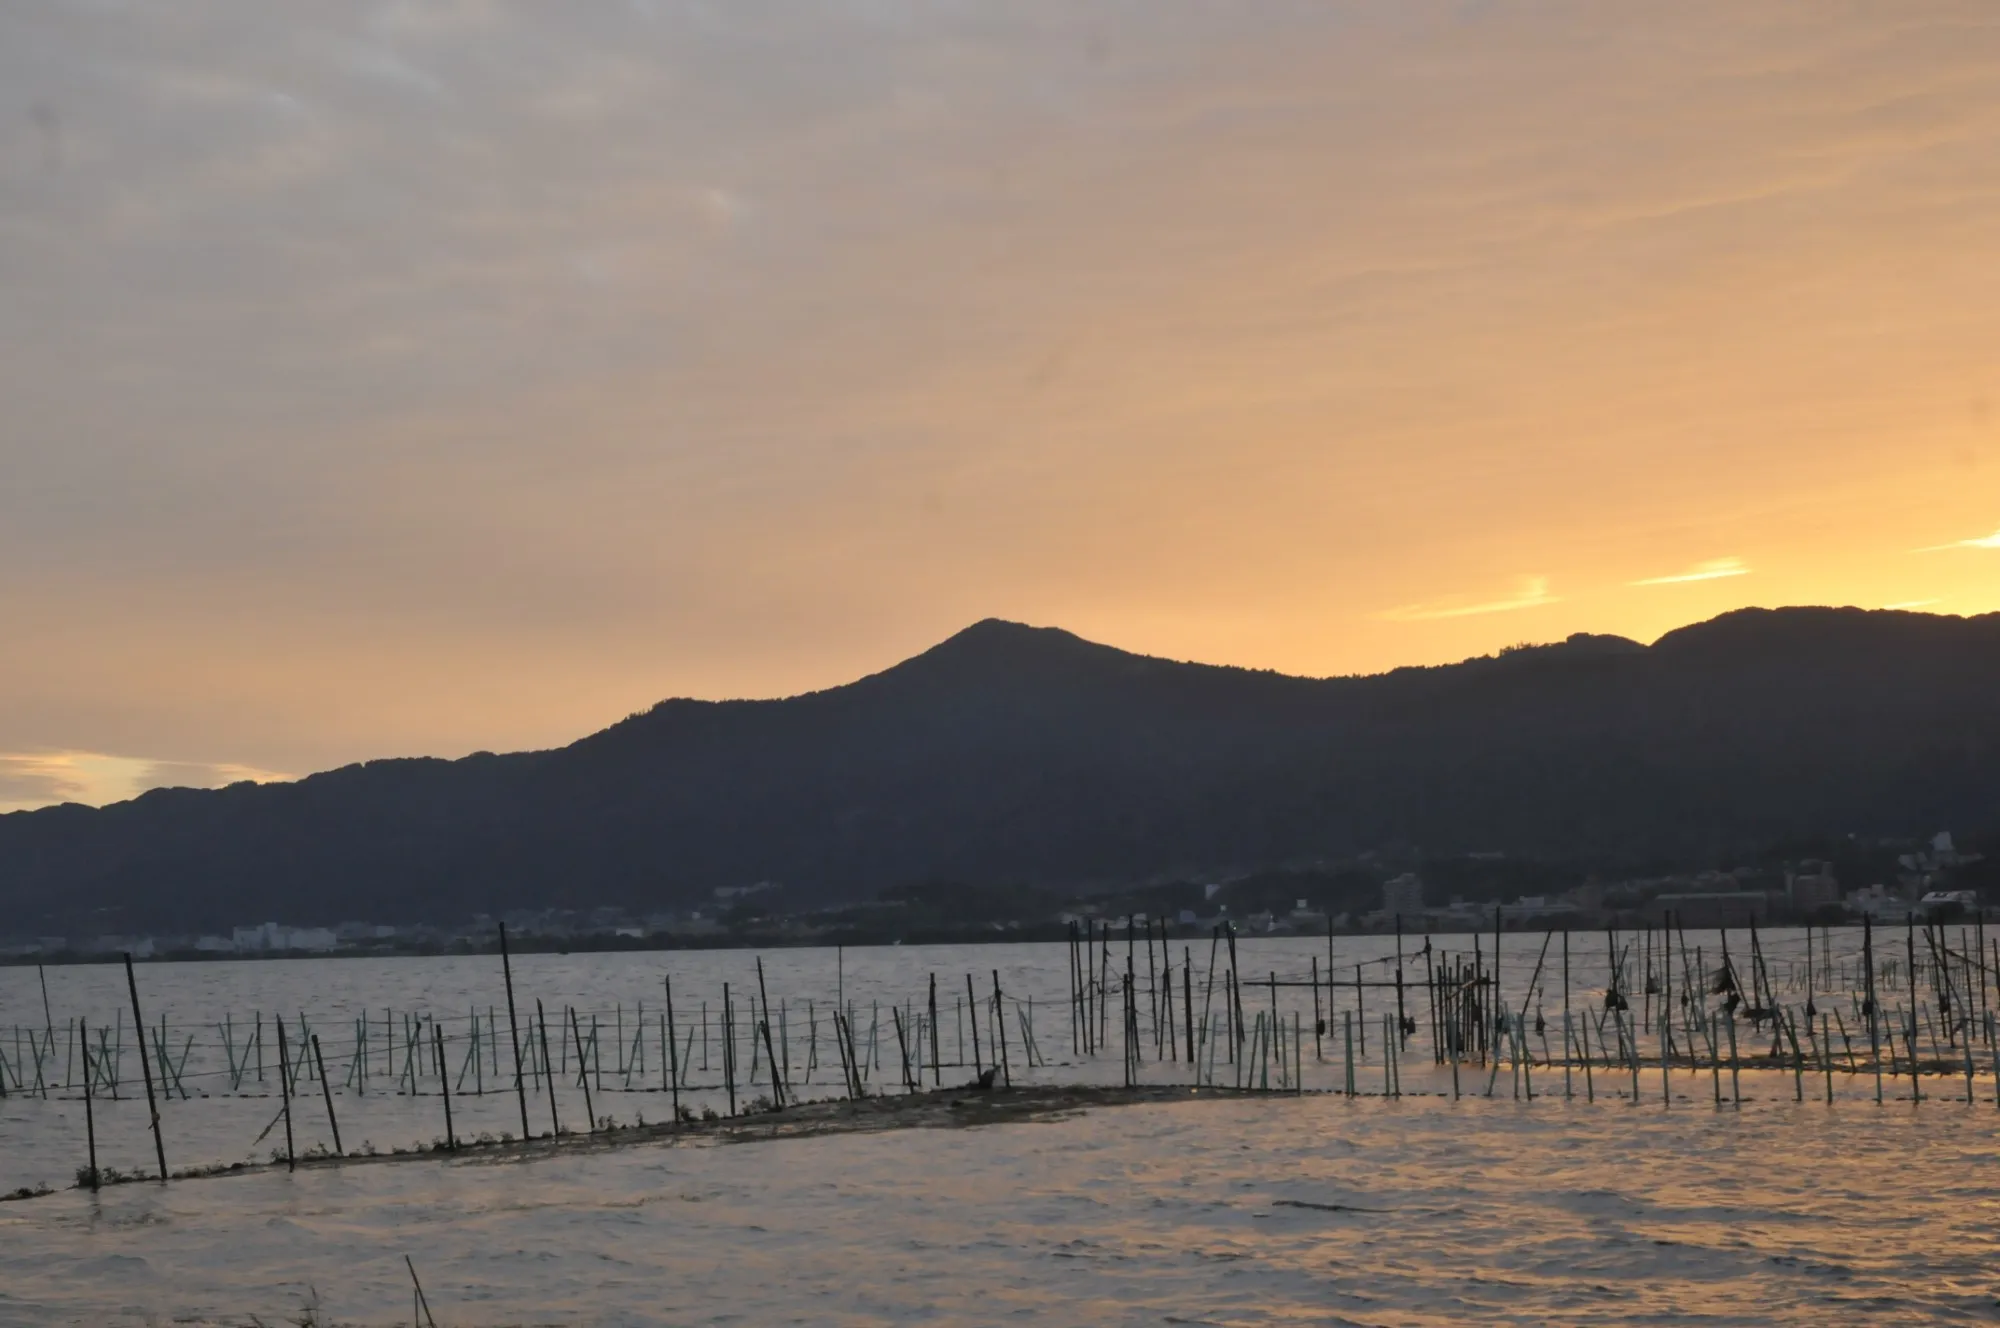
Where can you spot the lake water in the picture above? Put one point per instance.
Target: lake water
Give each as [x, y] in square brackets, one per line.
[1312, 1209]
[1442, 1205]
[365, 1012]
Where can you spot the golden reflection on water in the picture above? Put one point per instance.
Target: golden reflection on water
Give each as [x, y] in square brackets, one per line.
[1317, 1209]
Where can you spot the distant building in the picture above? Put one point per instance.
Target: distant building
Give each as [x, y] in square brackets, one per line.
[1812, 886]
[1880, 903]
[1709, 908]
[1530, 907]
[1403, 896]
[273, 937]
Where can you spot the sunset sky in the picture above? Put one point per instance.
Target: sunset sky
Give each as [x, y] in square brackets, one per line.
[406, 379]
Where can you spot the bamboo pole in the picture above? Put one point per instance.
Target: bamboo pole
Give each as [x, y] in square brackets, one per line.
[548, 1069]
[285, 1091]
[152, 1106]
[326, 1090]
[514, 1034]
[582, 1072]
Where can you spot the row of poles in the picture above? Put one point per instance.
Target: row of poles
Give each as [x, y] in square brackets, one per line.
[1470, 1021]
[300, 1057]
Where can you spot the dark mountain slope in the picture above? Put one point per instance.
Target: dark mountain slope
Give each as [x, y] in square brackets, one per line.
[1010, 753]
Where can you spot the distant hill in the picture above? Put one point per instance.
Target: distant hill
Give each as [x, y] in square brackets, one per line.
[1022, 755]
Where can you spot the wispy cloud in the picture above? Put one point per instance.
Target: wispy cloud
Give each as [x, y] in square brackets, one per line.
[1533, 593]
[41, 779]
[1983, 542]
[1910, 604]
[1715, 569]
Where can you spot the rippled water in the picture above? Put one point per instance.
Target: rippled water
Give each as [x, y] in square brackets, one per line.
[1427, 1208]
[213, 1116]
[1319, 1209]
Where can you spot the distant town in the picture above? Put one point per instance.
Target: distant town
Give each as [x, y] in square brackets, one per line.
[1931, 879]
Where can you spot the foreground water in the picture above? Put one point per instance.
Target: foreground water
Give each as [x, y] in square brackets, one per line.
[1323, 1209]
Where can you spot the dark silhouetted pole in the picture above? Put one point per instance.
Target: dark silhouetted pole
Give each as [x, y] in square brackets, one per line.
[673, 1050]
[326, 1089]
[937, 1066]
[582, 1073]
[285, 1091]
[145, 1068]
[444, 1087]
[89, 1111]
[514, 1035]
[548, 1067]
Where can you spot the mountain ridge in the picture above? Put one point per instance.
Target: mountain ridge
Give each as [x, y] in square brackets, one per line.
[1009, 753]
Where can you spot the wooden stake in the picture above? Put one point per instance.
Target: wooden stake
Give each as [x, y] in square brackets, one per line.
[326, 1090]
[425, 1305]
[514, 1034]
[285, 1090]
[1187, 1004]
[444, 1087]
[548, 1069]
[152, 1106]
[937, 1066]
[1000, 1020]
[582, 1073]
[91, 1117]
[673, 1050]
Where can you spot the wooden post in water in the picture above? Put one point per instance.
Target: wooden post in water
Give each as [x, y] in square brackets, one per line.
[1868, 962]
[770, 1052]
[444, 1088]
[1075, 999]
[1208, 999]
[1402, 1020]
[1298, 1068]
[1666, 1022]
[326, 1089]
[1319, 1024]
[902, 1049]
[1567, 1091]
[152, 1106]
[91, 1115]
[285, 1090]
[1187, 1004]
[1235, 993]
[778, 1085]
[1994, 1043]
[1347, 1038]
[1583, 1041]
[548, 1069]
[582, 1073]
[937, 1065]
[1735, 1075]
[1431, 1001]
[673, 1049]
[514, 1034]
[1000, 1020]
[1360, 1012]
[972, 1017]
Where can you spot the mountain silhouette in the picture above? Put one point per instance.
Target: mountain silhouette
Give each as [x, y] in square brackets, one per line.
[1024, 755]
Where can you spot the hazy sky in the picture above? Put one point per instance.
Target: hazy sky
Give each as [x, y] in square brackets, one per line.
[396, 379]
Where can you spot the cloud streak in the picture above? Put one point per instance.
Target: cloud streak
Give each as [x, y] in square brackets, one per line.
[1533, 594]
[1716, 569]
[37, 779]
[1982, 542]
